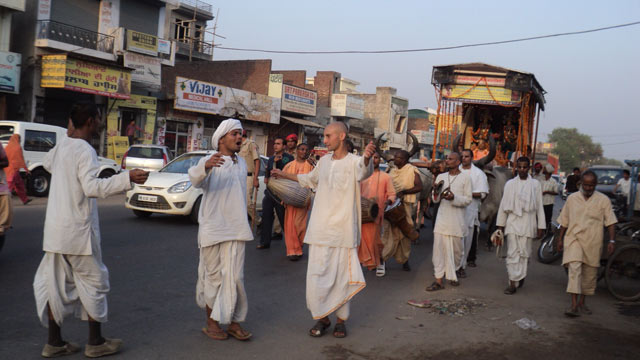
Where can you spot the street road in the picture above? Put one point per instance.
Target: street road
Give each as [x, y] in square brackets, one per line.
[153, 266]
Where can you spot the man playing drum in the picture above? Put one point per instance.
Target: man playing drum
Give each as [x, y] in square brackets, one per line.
[295, 218]
[379, 187]
[407, 184]
[333, 273]
[453, 191]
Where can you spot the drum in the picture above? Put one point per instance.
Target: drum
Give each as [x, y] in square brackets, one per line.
[369, 209]
[396, 215]
[290, 192]
[394, 212]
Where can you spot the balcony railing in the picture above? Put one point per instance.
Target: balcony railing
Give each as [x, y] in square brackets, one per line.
[200, 5]
[69, 34]
[199, 47]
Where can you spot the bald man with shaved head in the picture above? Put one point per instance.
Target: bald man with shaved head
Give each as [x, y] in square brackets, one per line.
[334, 275]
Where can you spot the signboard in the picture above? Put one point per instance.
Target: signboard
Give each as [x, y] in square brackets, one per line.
[275, 85]
[472, 80]
[10, 72]
[147, 69]
[424, 137]
[164, 46]
[142, 43]
[299, 100]
[208, 98]
[85, 77]
[482, 95]
[117, 146]
[347, 105]
[54, 68]
[44, 10]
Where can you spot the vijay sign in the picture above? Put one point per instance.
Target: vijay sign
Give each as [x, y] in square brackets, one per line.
[198, 96]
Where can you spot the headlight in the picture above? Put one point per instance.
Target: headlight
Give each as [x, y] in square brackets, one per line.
[179, 187]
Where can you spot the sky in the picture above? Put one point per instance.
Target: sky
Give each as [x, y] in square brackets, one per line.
[592, 80]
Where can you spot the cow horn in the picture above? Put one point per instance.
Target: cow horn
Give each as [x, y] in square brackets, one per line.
[492, 153]
[384, 156]
[415, 147]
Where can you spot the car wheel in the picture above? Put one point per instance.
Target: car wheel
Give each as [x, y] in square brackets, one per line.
[40, 182]
[195, 210]
[106, 173]
[142, 214]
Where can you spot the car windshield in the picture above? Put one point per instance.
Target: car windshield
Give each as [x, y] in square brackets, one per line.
[608, 176]
[182, 164]
[145, 152]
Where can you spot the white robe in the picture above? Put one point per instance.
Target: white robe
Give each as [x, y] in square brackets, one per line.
[521, 213]
[71, 276]
[222, 232]
[479, 184]
[450, 225]
[334, 274]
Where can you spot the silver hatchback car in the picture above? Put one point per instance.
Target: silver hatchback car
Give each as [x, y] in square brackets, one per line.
[146, 157]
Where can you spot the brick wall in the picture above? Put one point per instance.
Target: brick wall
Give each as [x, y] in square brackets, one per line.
[418, 124]
[293, 77]
[325, 82]
[249, 75]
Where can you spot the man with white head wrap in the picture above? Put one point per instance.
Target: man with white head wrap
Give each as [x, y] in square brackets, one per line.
[222, 233]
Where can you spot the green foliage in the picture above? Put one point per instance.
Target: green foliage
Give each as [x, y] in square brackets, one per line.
[575, 149]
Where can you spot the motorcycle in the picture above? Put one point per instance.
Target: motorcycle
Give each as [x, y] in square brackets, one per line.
[547, 251]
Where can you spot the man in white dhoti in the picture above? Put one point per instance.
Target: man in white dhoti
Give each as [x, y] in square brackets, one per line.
[479, 189]
[71, 276]
[519, 215]
[581, 221]
[222, 233]
[334, 274]
[453, 192]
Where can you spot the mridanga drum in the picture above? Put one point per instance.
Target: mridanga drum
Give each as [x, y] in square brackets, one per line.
[369, 209]
[397, 216]
[290, 192]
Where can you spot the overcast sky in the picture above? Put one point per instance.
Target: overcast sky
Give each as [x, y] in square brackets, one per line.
[592, 80]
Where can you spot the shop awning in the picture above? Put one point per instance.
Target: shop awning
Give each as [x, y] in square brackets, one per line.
[302, 121]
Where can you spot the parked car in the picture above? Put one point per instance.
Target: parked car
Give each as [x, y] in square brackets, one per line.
[169, 191]
[608, 177]
[36, 140]
[146, 157]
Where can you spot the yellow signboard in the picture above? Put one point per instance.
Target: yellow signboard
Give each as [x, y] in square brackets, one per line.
[85, 77]
[142, 43]
[482, 94]
[54, 68]
[117, 147]
[147, 103]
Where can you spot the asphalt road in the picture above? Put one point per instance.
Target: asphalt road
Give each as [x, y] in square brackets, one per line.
[153, 267]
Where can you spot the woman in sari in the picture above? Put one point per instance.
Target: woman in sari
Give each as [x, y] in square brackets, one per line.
[16, 162]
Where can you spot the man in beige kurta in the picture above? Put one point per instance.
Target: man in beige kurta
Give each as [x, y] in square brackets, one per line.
[581, 221]
[407, 185]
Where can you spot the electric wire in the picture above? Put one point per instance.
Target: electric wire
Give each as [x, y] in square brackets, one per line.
[579, 32]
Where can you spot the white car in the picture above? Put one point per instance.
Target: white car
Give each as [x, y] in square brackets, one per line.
[169, 191]
[36, 140]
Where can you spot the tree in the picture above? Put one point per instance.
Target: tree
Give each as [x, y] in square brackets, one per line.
[608, 161]
[574, 149]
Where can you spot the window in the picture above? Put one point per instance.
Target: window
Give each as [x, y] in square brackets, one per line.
[5, 132]
[181, 30]
[145, 152]
[182, 164]
[399, 123]
[39, 140]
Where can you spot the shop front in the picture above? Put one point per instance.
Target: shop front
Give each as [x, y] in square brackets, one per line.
[64, 79]
[201, 105]
[139, 112]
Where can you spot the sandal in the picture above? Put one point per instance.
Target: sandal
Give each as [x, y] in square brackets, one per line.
[320, 328]
[454, 283]
[585, 310]
[571, 312]
[435, 287]
[239, 333]
[510, 290]
[215, 335]
[340, 331]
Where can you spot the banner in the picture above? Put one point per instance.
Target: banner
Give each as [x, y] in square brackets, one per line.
[85, 77]
[10, 72]
[299, 100]
[203, 97]
[147, 69]
[142, 43]
[54, 68]
[275, 85]
[481, 94]
[164, 46]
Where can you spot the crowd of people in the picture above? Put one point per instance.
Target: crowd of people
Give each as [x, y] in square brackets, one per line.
[72, 278]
